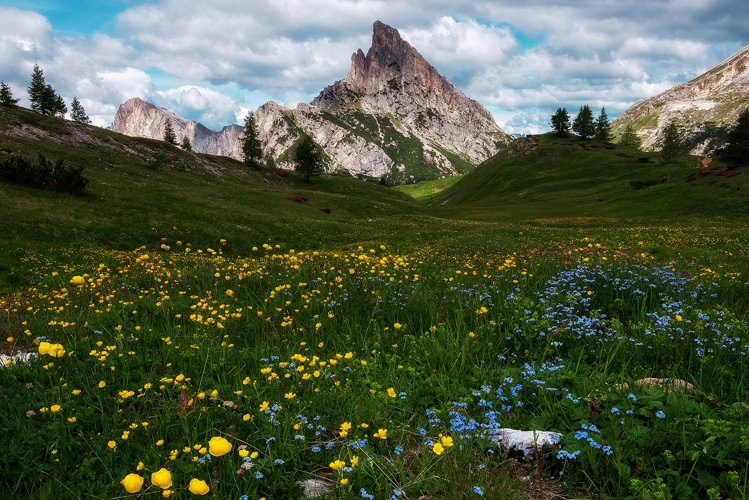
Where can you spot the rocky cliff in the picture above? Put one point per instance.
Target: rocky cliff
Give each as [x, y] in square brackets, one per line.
[138, 118]
[393, 116]
[704, 107]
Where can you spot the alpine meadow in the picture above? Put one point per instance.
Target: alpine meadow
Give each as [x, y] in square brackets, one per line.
[381, 293]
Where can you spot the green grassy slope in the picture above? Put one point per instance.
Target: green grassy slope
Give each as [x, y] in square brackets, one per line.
[566, 177]
[427, 190]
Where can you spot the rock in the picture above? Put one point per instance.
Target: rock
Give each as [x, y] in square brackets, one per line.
[314, 488]
[522, 441]
[21, 357]
[703, 107]
[673, 384]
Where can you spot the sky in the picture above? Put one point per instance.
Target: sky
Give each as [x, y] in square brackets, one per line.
[215, 60]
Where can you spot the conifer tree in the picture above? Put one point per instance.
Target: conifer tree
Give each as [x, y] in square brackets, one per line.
[37, 91]
[77, 113]
[560, 122]
[603, 127]
[57, 104]
[169, 133]
[186, 145]
[630, 139]
[308, 158]
[670, 143]
[736, 150]
[583, 124]
[251, 147]
[6, 96]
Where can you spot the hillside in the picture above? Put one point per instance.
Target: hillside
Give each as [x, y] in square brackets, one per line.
[565, 177]
[704, 107]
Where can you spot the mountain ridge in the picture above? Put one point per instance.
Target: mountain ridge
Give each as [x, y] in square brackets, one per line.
[393, 116]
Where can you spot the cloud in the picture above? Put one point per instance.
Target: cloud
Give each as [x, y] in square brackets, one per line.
[213, 60]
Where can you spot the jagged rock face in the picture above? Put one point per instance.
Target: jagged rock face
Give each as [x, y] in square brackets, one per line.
[138, 118]
[705, 107]
[393, 116]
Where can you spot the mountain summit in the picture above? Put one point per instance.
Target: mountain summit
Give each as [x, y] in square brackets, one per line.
[393, 116]
[704, 107]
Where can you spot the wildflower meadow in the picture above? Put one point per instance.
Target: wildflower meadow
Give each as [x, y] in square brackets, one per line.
[180, 371]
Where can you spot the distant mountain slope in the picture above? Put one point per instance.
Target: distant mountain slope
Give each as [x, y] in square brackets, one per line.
[393, 116]
[704, 107]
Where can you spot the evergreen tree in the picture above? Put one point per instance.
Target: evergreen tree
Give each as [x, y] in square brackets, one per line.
[6, 96]
[186, 145]
[736, 151]
[37, 91]
[308, 158]
[630, 139]
[603, 127]
[169, 133]
[56, 104]
[670, 143]
[251, 147]
[583, 124]
[77, 113]
[560, 122]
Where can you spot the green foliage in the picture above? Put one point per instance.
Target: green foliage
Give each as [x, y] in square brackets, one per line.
[77, 113]
[43, 175]
[583, 124]
[43, 97]
[169, 135]
[603, 127]
[630, 139]
[560, 122]
[186, 145]
[736, 151]
[308, 158]
[251, 146]
[6, 96]
[670, 143]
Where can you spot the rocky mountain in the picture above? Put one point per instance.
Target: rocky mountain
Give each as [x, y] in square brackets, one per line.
[138, 118]
[704, 107]
[393, 116]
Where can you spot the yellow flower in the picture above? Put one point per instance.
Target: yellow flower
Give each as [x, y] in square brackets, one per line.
[229, 292]
[397, 326]
[289, 395]
[218, 446]
[246, 417]
[75, 392]
[447, 441]
[140, 466]
[198, 487]
[243, 453]
[102, 384]
[79, 280]
[72, 420]
[132, 483]
[162, 478]
[111, 444]
[167, 493]
[678, 318]
[264, 406]
[354, 461]
[381, 433]
[391, 392]
[44, 347]
[344, 481]
[55, 408]
[337, 465]
[438, 449]
[160, 442]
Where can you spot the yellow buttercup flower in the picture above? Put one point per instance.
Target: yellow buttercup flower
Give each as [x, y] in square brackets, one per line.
[77, 280]
[218, 446]
[132, 483]
[391, 392]
[381, 433]
[447, 441]
[337, 464]
[438, 449]
[198, 487]
[162, 478]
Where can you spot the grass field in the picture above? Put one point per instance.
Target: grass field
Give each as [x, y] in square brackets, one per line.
[204, 329]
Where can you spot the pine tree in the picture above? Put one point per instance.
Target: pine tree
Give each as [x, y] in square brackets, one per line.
[77, 113]
[37, 91]
[186, 145]
[169, 133]
[560, 122]
[736, 151]
[57, 105]
[630, 139]
[251, 147]
[583, 123]
[603, 127]
[308, 158]
[6, 96]
[670, 142]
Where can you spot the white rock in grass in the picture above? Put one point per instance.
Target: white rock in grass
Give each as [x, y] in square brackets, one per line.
[21, 357]
[520, 441]
[314, 488]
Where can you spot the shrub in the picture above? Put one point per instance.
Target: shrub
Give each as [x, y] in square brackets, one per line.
[43, 175]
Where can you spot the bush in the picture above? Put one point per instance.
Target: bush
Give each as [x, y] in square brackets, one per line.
[43, 175]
